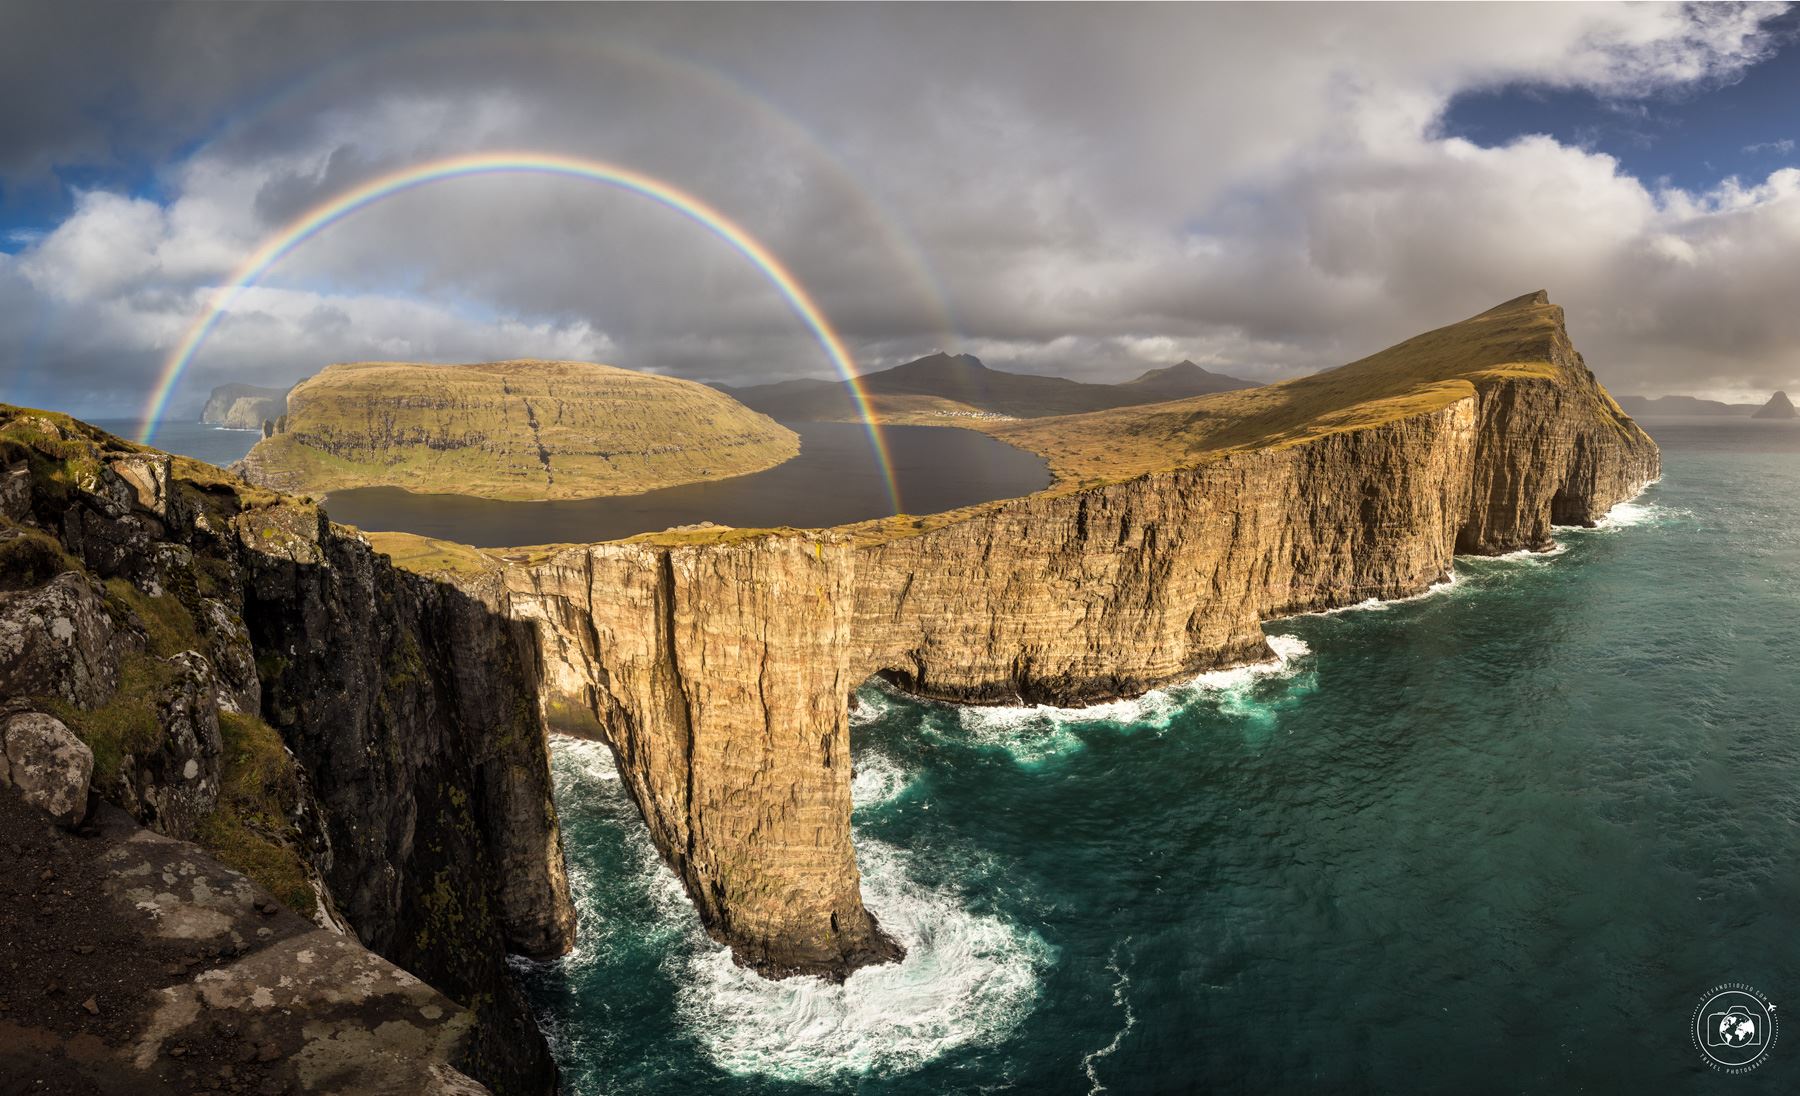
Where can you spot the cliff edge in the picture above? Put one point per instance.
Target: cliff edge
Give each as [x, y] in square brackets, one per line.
[362, 742]
[718, 662]
[243, 406]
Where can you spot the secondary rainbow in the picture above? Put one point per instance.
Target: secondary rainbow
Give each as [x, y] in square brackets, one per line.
[330, 212]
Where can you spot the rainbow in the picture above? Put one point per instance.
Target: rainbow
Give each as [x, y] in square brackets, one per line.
[328, 213]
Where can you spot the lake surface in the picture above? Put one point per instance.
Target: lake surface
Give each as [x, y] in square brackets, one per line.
[1498, 839]
[835, 480]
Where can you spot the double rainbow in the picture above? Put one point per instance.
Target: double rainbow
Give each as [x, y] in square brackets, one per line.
[328, 213]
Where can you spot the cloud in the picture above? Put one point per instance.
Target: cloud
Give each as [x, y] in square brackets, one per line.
[1065, 189]
[1784, 146]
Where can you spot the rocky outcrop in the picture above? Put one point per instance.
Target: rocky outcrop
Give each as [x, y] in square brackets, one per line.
[1778, 407]
[138, 963]
[718, 666]
[364, 741]
[243, 406]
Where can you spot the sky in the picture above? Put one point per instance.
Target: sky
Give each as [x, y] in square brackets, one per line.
[1088, 191]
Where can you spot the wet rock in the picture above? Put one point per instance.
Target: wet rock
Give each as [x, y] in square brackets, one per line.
[49, 765]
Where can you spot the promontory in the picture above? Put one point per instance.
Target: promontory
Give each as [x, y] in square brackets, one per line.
[510, 430]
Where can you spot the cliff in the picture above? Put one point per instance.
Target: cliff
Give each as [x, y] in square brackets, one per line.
[510, 430]
[1778, 407]
[361, 741]
[243, 406]
[718, 662]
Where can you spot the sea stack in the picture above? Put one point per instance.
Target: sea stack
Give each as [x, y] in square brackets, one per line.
[1778, 407]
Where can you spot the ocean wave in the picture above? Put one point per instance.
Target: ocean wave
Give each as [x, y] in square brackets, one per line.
[1376, 605]
[877, 779]
[1036, 733]
[967, 979]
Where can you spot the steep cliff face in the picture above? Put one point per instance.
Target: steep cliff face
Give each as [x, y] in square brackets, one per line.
[718, 664]
[243, 406]
[363, 741]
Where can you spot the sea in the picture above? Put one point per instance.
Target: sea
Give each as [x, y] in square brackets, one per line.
[1505, 837]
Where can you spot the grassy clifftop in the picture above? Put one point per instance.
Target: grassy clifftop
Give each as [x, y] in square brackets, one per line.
[1522, 338]
[511, 430]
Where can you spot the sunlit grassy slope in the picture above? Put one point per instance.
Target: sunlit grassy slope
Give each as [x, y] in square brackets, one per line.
[512, 430]
[1522, 338]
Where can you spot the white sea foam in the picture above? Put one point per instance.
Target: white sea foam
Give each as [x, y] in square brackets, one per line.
[1376, 605]
[877, 780]
[1036, 733]
[871, 704]
[966, 979]
[1122, 1001]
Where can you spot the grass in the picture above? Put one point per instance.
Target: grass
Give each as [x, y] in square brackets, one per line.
[517, 430]
[250, 830]
[429, 555]
[1521, 339]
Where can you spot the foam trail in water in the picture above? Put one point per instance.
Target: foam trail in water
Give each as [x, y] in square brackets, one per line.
[966, 979]
[1036, 733]
[1121, 1000]
[1376, 605]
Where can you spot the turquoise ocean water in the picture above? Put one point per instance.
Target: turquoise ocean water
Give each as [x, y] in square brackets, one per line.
[1500, 838]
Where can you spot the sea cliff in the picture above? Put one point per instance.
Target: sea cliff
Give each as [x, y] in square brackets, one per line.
[363, 742]
[243, 406]
[718, 663]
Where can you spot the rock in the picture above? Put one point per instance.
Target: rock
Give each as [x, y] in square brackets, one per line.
[242, 406]
[147, 475]
[174, 787]
[58, 639]
[1778, 407]
[46, 762]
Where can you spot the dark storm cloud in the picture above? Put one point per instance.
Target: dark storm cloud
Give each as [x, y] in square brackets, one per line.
[1090, 190]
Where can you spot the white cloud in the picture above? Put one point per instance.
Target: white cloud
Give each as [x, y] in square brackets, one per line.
[1093, 192]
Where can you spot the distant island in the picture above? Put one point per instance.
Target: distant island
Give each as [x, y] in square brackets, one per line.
[1668, 406]
[1778, 407]
[243, 406]
[510, 430]
[946, 387]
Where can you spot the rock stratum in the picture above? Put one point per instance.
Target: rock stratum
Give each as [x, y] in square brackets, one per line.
[262, 693]
[243, 406]
[718, 663]
[510, 430]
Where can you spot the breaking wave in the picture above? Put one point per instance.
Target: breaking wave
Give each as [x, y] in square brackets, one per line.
[1036, 733]
[877, 780]
[967, 979]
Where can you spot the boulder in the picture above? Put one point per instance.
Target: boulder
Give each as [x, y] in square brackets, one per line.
[48, 764]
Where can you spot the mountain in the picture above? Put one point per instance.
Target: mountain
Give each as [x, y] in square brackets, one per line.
[1179, 381]
[510, 430]
[1664, 406]
[243, 406]
[960, 385]
[1778, 407]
